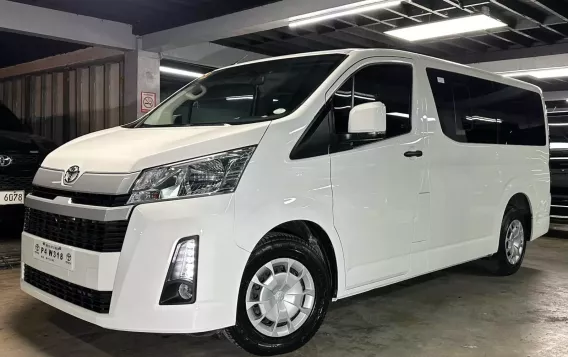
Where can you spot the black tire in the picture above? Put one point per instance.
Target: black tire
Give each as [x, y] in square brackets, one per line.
[274, 246]
[502, 266]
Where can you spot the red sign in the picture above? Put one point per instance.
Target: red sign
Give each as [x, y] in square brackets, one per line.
[147, 101]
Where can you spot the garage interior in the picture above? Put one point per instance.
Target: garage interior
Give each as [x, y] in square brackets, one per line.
[68, 68]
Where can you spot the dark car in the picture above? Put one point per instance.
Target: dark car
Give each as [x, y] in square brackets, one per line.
[21, 154]
[558, 128]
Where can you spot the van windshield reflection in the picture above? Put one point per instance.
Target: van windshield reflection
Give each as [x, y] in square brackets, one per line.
[245, 94]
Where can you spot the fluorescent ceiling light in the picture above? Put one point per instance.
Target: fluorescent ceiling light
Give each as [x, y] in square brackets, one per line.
[358, 95]
[180, 72]
[539, 73]
[556, 111]
[446, 28]
[397, 114]
[478, 118]
[240, 97]
[351, 9]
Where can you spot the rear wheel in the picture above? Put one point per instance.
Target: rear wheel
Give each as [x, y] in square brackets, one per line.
[513, 242]
[283, 297]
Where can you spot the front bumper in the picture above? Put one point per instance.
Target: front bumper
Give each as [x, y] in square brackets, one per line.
[136, 275]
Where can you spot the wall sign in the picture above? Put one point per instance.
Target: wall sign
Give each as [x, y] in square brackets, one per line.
[147, 101]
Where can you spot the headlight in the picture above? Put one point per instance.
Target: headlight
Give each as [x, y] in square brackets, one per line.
[208, 175]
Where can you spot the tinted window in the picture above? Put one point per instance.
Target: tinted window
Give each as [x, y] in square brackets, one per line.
[475, 110]
[245, 94]
[522, 116]
[388, 83]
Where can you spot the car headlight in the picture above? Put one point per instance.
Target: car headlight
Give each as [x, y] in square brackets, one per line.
[207, 175]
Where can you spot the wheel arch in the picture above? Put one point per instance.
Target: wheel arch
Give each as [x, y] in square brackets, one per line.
[522, 202]
[316, 235]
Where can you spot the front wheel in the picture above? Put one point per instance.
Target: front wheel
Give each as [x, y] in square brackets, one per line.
[513, 242]
[283, 297]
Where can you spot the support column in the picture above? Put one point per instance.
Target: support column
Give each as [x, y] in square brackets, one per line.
[141, 83]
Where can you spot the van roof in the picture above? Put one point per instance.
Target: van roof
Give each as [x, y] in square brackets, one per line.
[410, 55]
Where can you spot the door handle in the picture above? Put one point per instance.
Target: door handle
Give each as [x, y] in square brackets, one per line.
[416, 153]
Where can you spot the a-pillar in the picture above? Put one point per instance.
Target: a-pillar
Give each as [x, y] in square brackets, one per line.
[141, 83]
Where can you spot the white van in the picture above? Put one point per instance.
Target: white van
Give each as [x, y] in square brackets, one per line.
[260, 192]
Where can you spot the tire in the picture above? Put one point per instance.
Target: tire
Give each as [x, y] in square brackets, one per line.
[504, 264]
[276, 250]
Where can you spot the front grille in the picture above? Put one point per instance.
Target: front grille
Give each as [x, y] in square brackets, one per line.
[82, 198]
[96, 236]
[12, 183]
[24, 159]
[97, 301]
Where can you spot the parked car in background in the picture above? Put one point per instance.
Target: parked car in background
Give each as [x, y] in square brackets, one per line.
[558, 129]
[21, 154]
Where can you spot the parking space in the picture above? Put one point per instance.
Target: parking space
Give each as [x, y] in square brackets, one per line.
[462, 312]
[185, 166]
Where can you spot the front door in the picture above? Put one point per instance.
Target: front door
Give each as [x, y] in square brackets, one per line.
[376, 185]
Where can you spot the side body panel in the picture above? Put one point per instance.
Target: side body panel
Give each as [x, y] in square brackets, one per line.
[275, 189]
[471, 185]
[375, 195]
[466, 189]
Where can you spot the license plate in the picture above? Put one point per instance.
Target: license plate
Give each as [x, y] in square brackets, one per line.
[12, 197]
[54, 253]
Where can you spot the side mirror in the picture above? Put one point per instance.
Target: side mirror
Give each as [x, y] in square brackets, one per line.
[367, 123]
[368, 118]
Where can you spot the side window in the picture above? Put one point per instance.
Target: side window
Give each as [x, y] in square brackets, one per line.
[482, 122]
[461, 101]
[441, 84]
[475, 110]
[389, 83]
[522, 116]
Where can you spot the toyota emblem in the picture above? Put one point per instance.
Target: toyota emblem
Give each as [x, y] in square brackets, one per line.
[5, 161]
[71, 175]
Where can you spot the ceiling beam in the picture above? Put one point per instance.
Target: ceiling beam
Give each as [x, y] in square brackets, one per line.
[240, 23]
[65, 60]
[554, 7]
[210, 55]
[65, 26]
[524, 64]
[528, 12]
[552, 96]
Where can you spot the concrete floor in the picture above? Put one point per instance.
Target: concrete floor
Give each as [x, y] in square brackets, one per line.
[458, 312]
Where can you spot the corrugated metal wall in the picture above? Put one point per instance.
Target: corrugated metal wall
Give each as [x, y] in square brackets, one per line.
[63, 105]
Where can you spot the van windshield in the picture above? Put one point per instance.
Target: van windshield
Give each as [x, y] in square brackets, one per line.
[245, 94]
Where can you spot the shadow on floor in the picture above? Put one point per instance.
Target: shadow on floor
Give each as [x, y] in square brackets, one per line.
[413, 304]
[10, 252]
[58, 334]
[557, 234]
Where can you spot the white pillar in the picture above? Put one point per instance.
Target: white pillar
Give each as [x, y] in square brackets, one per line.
[141, 83]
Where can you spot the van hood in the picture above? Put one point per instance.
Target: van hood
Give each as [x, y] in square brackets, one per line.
[126, 150]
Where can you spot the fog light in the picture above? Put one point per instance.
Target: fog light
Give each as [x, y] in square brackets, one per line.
[179, 287]
[184, 292]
